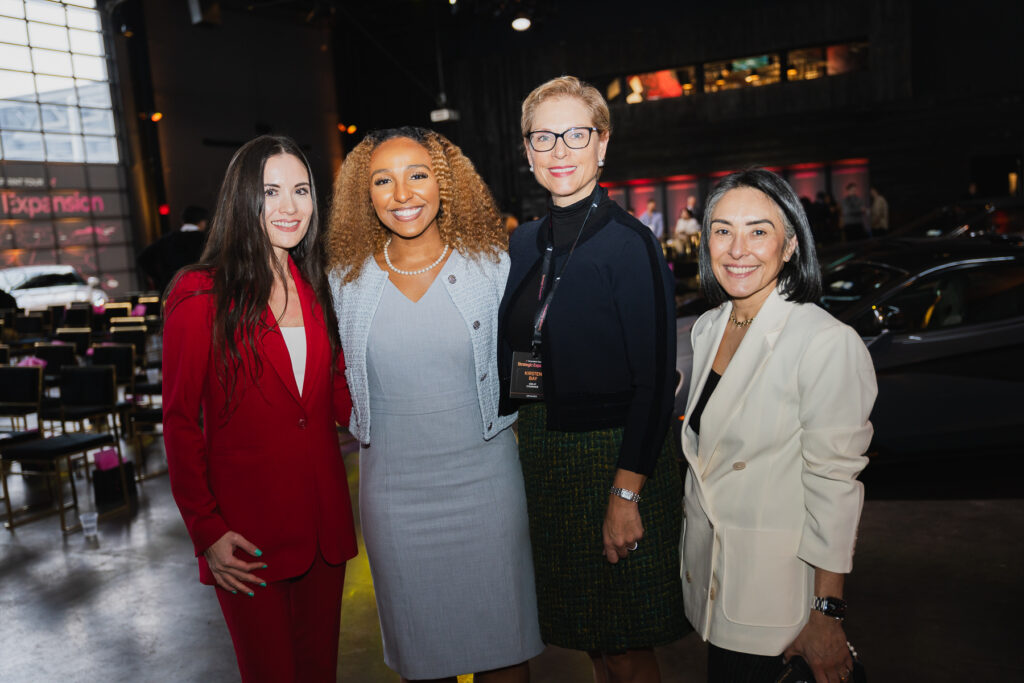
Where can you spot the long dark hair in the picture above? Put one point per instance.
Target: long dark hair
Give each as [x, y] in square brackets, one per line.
[800, 279]
[239, 259]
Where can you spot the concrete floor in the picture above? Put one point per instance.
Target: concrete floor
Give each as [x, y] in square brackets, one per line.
[935, 597]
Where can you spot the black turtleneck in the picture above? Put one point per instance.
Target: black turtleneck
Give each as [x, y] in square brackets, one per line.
[562, 225]
[609, 338]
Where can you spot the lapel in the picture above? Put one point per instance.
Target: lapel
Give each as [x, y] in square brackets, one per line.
[277, 352]
[705, 346]
[460, 290]
[361, 298]
[741, 374]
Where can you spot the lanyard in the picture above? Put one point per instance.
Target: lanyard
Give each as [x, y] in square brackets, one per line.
[542, 312]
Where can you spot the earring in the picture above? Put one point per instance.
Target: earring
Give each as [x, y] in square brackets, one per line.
[600, 162]
[531, 169]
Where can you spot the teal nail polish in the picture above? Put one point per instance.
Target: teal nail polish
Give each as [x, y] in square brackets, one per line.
[263, 583]
[234, 592]
[258, 553]
[264, 566]
[251, 594]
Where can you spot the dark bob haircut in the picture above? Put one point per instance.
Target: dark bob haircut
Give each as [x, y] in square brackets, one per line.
[800, 279]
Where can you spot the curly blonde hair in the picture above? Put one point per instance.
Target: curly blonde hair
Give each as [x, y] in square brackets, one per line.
[468, 219]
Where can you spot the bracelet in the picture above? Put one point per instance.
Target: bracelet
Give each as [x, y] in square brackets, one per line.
[625, 494]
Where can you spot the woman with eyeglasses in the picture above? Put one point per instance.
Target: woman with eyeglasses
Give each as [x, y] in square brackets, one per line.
[586, 353]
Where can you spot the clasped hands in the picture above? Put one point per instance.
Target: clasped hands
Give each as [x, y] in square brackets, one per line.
[228, 570]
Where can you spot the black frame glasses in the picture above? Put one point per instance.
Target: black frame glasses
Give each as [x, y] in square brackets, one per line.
[555, 136]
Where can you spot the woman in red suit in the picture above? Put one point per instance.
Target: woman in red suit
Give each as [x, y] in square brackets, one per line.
[253, 384]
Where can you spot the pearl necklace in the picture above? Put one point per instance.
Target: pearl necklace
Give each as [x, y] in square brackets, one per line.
[737, 323]
[387, 260]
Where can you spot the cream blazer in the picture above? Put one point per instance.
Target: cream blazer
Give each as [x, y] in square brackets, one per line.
[771, 489]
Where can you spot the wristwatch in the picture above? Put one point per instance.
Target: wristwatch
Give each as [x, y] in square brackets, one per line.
[626, 494]
[830, 607]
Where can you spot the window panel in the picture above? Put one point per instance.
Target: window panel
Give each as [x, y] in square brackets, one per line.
[41, 10]
[747, 72]
[81, 3]
[23, 146]
[64, 147]
[15, 85]
[116, 258]
[86, 42]
[12, 8]
[84, 18]
[807, 64]
[98, 121]
[15, 57]
[59, 119]
[62, 176]
[101, 150]
[94, 68]
[44, 35]
[19, 116]
[56, 90]
[14, 31]
[51, 62]
[656, 85]
[105, 177]
[847, 58]
[34, 234]
[94, 94]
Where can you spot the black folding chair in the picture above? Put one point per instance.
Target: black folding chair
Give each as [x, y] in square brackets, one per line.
[78, 315]
[56, 356]
[21, 390]
[80, 337]
[54, 459]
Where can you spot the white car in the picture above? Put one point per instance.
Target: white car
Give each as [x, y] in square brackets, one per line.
[36, 287]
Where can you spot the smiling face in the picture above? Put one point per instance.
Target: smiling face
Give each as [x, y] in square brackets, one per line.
[287, 202]
[748, 246]
[568, 174]
[403, 188]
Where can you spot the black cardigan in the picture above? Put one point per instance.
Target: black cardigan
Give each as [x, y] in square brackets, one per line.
[609, 342]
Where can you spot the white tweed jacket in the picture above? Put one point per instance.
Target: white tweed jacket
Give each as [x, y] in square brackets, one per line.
[475, 286]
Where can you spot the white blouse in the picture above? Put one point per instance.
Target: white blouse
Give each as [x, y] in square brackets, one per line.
[295, 340]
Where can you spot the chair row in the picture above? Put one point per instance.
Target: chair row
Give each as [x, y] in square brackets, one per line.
[87, 393]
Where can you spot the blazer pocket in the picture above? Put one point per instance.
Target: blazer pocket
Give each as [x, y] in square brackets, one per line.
[764, 583]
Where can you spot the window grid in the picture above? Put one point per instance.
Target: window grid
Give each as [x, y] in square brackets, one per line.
[61, 176]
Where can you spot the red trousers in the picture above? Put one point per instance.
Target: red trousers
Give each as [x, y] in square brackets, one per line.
[288, 631]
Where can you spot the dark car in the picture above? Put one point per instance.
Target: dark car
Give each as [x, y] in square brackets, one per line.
[944, 322]
[995, 217]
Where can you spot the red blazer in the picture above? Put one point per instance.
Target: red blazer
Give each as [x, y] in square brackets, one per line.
[270, 470]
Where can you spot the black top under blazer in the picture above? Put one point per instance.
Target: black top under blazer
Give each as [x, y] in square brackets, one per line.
[609, 342]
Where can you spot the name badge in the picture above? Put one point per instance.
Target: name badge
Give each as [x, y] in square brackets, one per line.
[527, 377]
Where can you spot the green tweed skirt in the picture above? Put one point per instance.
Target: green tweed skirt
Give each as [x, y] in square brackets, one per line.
[584, 601]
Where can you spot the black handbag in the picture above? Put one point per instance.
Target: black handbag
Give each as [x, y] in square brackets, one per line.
[796, 670]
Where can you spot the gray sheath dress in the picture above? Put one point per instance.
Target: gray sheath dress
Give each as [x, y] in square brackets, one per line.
[443, 511]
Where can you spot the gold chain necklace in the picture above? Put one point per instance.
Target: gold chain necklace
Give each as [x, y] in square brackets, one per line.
[737, 323]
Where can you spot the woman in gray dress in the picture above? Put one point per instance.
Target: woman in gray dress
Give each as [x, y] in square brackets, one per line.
[418, 257]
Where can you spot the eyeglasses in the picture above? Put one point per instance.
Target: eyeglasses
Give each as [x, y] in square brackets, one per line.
[577, 137]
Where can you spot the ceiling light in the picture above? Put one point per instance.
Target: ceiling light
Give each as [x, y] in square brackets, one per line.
[521, 22]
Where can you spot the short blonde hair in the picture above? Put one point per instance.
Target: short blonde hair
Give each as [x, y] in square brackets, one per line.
[567, 86]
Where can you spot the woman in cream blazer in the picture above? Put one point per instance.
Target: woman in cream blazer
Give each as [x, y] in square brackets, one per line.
[773, 450]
